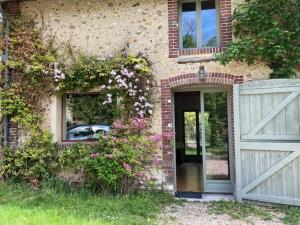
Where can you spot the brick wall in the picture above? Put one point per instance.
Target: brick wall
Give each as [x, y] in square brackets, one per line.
[12, 8]
[222, 80]
[225, 26]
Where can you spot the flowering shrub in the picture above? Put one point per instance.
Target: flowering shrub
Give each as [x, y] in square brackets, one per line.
[121, 160]
[127, 78]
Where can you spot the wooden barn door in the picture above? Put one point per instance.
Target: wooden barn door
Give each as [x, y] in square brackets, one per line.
[267, 141]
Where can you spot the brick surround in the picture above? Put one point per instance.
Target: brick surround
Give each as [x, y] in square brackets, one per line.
[225, 26]
[225, 81]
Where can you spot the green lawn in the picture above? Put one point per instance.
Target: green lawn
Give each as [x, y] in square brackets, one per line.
[20, 205]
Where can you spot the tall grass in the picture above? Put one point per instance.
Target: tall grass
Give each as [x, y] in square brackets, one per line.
[58, 204]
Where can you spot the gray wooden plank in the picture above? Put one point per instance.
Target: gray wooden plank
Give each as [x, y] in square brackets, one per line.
[279, 119]
[267, 106]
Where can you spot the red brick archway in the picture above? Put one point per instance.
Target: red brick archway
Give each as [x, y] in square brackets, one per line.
[186, 80]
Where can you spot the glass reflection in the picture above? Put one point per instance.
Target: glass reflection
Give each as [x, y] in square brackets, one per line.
[190, 127]
[86, 118]
[216, 136]
[189, 25]
[209, 23]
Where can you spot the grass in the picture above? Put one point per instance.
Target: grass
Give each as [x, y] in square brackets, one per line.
[20, 205]
[288, 215]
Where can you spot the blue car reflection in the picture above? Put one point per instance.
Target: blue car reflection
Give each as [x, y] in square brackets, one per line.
[86, 132]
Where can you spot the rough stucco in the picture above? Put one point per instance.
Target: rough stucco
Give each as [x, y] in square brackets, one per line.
[103, 27]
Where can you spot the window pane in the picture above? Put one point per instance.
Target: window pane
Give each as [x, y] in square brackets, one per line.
[209, 23]
[216, 136]
[86, 118]
[189, 25]
[190, 133]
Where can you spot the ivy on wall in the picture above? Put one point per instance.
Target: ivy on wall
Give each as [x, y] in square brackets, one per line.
[268, 31]
[30, 64]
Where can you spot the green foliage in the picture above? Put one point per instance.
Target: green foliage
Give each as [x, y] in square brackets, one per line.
[34, 162]
[123, 79]
[292, 215]
[267, 30]
[20, 205]
[30, 64]
[246, 211]
[90, 109]
[15, 106]
[188, 41]
[73, 157]
[118, 163]
[239, 211]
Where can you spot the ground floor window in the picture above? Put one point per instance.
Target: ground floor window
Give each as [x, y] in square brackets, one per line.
[85, 117]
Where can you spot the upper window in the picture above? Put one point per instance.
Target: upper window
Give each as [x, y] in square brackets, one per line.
[85, 117]
[199, 24]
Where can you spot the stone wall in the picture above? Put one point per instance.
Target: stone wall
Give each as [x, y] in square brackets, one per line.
[103, 27]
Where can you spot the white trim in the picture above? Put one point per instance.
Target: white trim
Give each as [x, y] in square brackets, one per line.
[237, 149]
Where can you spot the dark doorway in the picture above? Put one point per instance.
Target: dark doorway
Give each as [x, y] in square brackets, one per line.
[189, 162]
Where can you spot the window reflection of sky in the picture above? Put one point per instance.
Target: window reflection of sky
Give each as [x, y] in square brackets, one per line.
[208, 16]
[189, 25]
[209, 29]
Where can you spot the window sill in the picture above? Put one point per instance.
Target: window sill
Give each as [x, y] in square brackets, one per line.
[65, 143]
[197, 51]
[196, 58]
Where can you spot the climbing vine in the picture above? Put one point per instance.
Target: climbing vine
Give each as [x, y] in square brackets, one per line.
[37, 72]
[268, 31]
[30, 64]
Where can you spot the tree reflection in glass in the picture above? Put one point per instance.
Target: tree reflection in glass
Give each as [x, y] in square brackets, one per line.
[189, 25]
[216, 136]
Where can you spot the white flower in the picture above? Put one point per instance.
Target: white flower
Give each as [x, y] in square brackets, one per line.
[150, 112]
[103, 86]
[109, 81]
[137, 67]
[113, 72]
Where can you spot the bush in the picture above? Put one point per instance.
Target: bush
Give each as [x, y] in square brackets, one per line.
[34, 162]
[119, 162]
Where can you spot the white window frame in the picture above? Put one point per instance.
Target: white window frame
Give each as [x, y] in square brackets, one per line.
[199, 28]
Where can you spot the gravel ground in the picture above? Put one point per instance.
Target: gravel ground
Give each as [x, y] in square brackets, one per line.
[196, 213]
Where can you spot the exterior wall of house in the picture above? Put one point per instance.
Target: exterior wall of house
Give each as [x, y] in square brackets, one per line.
[104, 27]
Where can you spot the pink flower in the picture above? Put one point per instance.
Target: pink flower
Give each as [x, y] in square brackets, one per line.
[167, 136]
[118, 125]
[155, 160]
[155, 138]
[95, 155]
[127, 167]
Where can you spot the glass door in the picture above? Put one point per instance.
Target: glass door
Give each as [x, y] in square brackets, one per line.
[191, 134]
[215, 138]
